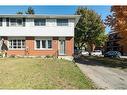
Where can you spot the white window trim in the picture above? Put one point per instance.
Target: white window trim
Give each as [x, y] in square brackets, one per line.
[15, 38]
[42, 38]
[62, 38]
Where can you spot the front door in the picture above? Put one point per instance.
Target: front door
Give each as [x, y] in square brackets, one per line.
[61, 47]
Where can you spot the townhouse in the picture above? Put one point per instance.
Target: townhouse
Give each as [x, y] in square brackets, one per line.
[38, 35]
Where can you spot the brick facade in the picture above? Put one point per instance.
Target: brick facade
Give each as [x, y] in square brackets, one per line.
[69, 46]
[30, 49]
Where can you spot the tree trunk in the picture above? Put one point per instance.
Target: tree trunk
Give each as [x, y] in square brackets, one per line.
[92, 48]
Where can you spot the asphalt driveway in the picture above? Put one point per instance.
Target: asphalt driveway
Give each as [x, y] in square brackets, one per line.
[104, 77]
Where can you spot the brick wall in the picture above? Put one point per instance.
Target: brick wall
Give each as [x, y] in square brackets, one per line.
[54, 51]
[69, 46]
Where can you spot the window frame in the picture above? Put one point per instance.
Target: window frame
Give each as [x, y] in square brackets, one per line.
[17, 39]
[44, 38]
[40, 24]
[16, 24]
[62, 24]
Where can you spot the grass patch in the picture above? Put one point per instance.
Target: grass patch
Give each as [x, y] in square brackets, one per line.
[38, 73]
[111, 62]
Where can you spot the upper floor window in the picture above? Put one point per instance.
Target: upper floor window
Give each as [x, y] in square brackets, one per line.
[39, 22]
[62, 22]
[1, 21]
[16, 22]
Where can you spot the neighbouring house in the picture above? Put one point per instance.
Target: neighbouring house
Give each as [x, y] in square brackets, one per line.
[38, 35]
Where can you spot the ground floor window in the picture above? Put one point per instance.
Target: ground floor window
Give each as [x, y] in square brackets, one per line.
[43, 43]
[16, 44]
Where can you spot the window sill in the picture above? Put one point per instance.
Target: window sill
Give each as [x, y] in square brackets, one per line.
[16, 49]
[43, 49]
[62, 54]
[15, 26]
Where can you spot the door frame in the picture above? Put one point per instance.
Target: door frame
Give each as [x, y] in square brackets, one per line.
[61, 38]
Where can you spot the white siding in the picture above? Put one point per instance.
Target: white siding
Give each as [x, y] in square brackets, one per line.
[71, 22]
[37, 31]
[51, 29]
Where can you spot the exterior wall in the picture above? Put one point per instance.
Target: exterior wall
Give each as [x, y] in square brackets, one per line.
[51, 29]
[33, 52]
[69, 46]
[37, 31]
[30, 50]
[29, 31]
[16, 52]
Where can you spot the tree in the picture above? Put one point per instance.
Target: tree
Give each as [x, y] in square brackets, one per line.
[19, 12]
[90, 29]
[117, 21]
[30, 10]
[100, 41]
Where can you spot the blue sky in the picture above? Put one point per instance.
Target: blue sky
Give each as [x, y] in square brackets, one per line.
[102, 10]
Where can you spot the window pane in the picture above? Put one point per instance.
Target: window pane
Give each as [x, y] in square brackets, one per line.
[37, 43]
[10, 44]
[62, 22]
[16, 22]
[14, 42]
[23, 43]
[24, 20]
[18, 43]
[43, 43]
[0, 21]
[19, 22]
[13, 22]
[39, 22]
[7, 22]
[49, 44]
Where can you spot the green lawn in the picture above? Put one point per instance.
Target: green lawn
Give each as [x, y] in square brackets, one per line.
[39, 73]
[110, 62]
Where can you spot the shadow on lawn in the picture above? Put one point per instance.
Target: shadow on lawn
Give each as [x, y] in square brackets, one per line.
[101, 61]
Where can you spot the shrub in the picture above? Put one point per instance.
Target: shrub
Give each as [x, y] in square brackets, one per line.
[1, 54]
[49, 56]
[12, 56]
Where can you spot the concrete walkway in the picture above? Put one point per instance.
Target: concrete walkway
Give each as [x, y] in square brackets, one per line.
[104, 77]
